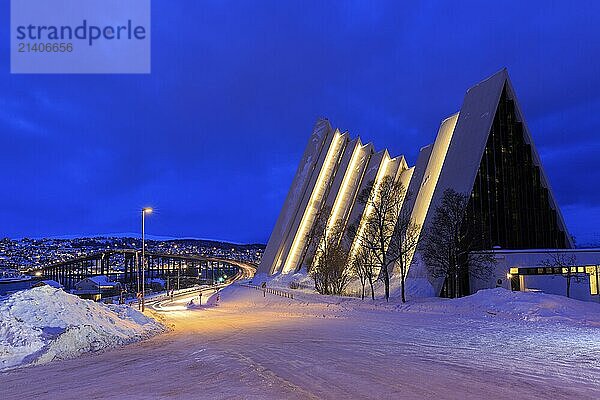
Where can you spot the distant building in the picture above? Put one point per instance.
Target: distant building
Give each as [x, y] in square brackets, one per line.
[545, 270]
[96, 287]
[48, 282]
[484, 150]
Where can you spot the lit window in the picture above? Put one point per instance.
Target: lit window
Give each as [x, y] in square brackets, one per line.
[590, 269]
[593, 284]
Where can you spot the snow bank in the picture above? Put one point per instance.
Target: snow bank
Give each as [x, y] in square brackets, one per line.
[43, 324]
[284, 280]
[528, 306]
[416, 287]
[489, 303]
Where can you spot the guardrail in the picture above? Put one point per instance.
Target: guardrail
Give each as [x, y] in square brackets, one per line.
[162, 295]
[347, 293]
[266, 290]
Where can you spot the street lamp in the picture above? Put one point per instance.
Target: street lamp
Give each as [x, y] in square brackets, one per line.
[145, 210]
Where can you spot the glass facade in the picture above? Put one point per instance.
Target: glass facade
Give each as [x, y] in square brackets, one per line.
[509, 199]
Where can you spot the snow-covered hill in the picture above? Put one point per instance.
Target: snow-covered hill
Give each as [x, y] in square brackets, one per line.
[43, 324]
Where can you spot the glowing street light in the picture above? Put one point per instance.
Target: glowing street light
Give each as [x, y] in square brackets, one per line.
[145, 210]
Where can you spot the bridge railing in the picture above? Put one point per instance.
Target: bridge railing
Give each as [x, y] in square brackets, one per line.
[123, 266]
[269, 290]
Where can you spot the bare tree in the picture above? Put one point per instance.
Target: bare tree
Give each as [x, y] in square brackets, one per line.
[566, 263]
[362, 266]
[313, 237]
[452, 245]
[403, 245]
[328, 266]
[383, 203]
[337, 269]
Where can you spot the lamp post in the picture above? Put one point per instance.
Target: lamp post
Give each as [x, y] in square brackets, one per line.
[145, 210]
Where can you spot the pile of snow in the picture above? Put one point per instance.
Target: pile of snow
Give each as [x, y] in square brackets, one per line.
[417, 288]
[284, 280]
[527, 306]
[489, 303]
[44, 323]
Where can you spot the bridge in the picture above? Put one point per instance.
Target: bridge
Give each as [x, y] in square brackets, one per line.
[123, 265]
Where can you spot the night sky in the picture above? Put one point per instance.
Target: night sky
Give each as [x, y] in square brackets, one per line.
[213, 136]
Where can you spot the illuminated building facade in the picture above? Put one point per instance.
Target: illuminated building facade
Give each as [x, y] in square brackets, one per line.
[333, 171]
[484, 150]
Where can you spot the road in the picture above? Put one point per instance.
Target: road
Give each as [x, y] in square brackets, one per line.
[246, 270]
[181, 300]
[255, 347]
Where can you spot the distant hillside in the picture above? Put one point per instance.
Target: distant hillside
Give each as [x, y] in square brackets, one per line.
[216, 243]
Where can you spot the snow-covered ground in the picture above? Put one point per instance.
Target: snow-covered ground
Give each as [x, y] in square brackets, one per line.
[500, 303]
[43, 324]
[496, 345]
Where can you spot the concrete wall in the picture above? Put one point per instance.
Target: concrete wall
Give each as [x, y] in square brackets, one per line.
[318, 143]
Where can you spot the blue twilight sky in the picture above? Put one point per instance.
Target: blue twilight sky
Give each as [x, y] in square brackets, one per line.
[213, 136]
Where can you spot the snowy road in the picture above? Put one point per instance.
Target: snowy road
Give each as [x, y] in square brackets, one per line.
[251, 347]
